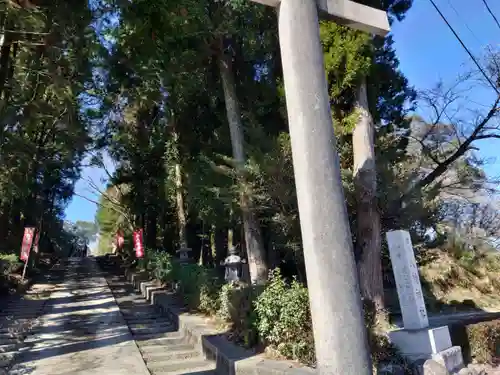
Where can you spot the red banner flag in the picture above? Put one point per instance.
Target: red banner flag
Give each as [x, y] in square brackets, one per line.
[119, 239]
[27, 241]
[139, 249]
[37, 239]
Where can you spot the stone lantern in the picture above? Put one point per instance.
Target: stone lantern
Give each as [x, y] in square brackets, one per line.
[184, 254]
[233, 266]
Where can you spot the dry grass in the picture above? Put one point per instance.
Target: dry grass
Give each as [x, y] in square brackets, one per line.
[480, 342]
[470, 280]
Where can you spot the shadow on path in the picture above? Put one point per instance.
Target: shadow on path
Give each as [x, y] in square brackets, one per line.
[81, 330]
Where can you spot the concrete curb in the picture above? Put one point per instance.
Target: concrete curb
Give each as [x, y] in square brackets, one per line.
[230, 358]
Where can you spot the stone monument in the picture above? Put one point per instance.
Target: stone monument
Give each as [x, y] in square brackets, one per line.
[417, 341]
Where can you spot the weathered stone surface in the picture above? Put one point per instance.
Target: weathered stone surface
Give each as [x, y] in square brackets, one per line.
[391, 369]
[467, 371]
[450, 358]
[404, 265]
[427, 342]
[432, 367]
[6, 359]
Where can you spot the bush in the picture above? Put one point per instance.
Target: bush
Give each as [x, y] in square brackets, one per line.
[275, 315]
[284, 319]
[198, 285]
[9, 263]
[484, 342]
[236, 305]
[161, 266]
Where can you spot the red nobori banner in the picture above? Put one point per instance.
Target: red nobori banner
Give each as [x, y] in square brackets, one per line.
[119, 239]
[27, 241]
[139, 249]
[37, 239]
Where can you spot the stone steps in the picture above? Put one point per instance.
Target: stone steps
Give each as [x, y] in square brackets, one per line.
[17, 319]
[167, 340]
[170, 367]
[163, 346]
[165, 351]
[171, 354]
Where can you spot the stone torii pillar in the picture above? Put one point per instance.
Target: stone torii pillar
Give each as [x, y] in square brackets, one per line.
[339, 330]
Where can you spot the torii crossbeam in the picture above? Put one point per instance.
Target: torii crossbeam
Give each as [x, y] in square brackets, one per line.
[348, 13]
[339, 330]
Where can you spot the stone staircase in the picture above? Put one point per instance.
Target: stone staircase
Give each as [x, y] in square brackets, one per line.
[164, 350]
[18, 316]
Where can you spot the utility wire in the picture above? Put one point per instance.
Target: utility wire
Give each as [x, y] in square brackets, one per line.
[492, 14]
[464, 22]
[465, 47]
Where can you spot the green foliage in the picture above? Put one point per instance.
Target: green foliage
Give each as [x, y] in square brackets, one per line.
[198, 285]
[9, 263]
[163, 111]
[46, 68]
[111, 216]
[162, 266]
[284, 320]
[226, 310]
[347, 59]
[236, 305]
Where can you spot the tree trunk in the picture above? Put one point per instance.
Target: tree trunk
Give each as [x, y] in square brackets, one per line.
[179, 191]
[181, 213]
[213, 245]
[5, 43]
[253, 238]
[368, 242]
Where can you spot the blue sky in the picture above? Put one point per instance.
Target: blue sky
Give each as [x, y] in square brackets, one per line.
[428, 52]
[81, 208]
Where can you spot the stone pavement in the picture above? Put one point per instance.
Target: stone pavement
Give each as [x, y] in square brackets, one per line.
[81, 330]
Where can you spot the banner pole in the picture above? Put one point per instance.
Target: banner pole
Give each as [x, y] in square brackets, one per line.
[25, 266]
[26, 245]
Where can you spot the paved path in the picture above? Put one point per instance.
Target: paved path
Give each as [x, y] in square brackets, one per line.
[82, 331]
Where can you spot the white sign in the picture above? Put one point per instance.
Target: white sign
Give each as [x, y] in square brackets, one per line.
[404, 266]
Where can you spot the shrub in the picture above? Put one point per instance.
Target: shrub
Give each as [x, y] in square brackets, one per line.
[198, 285]
[276, 315]
[161, 266]
[236, 305]
[484, 341]
[226, 307]
[284, 319]
[9, 263]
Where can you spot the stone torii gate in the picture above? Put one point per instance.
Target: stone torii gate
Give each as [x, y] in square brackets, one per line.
[339, 330]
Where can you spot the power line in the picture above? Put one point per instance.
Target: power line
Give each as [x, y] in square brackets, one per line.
[464, 22]
[492, 14]
[465, 47]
